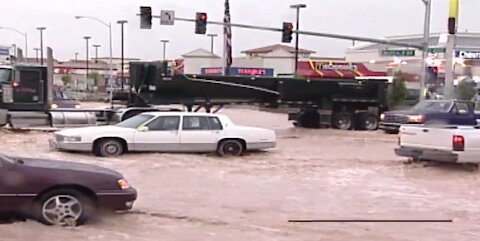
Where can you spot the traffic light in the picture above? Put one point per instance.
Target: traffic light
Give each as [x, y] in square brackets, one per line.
[145, 17]
[287, 31]
[201, 23]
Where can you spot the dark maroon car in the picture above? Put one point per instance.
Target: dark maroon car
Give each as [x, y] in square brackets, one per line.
[61, 193]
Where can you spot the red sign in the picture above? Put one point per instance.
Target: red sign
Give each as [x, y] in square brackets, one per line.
[338, 70]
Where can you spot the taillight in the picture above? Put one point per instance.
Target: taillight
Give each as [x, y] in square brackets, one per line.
[15, 84]
[458, 143]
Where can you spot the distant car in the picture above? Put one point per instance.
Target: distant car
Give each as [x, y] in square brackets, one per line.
[61, 99]
[62, 193]
[166, 132]
[451, 112]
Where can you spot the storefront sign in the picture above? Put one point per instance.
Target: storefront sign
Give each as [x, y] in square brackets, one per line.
[399, 53]
[467, 54]
[239, 71]
[333, 66]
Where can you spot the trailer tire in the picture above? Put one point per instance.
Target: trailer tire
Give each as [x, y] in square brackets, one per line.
[309, 119]
[368, 122]
[343, 120]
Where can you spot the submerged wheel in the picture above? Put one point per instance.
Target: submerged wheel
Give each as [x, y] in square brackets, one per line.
[309, 119]
[108, 148]
[230, 148]
[64, 207]
[368, 122]
[342, 121]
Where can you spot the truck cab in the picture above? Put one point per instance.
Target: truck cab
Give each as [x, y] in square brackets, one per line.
[23, 87]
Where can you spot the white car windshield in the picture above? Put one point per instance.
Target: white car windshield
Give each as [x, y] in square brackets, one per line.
[135, 121]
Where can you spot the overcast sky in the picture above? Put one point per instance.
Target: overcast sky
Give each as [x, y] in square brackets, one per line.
[372, 18]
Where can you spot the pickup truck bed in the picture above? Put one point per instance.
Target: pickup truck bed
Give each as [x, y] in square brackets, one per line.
[456, 144]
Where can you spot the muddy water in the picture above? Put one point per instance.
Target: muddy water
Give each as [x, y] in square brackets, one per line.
[313, 174]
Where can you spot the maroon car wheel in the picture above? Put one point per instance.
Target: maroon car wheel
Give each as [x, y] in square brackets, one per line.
[64, 207]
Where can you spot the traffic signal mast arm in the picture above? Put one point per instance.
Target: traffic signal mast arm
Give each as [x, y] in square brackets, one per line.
[325, 35]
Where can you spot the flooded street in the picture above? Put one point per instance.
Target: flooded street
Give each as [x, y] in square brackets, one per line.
[312, 174]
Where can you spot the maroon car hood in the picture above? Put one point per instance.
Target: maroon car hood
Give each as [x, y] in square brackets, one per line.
[67, 166]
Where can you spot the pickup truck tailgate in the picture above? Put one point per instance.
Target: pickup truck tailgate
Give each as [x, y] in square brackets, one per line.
[426, 137]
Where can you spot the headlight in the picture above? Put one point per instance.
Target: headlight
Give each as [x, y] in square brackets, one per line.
[382, 117]
[54, 106]
[78, 106]
[123, 184]
[417, 119]
[72, 139]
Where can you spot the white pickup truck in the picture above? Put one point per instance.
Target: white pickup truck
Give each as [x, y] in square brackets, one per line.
[455, 144]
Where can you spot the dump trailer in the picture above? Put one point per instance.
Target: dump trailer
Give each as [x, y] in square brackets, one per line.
[339, 103]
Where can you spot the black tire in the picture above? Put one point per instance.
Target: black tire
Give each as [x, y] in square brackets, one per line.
[368, 122]
[108, 148]
[309, 119]
[77, 208]
[391, 132]
[343, 121]
[229, 148]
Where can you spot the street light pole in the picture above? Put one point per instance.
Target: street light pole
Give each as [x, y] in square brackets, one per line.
[96, 46]
[122, 74]
[426, 37]
[164, 41]
[297, 7]
[41, 43]
[86, 73]
[110, 67]
[24, 35]
[212, 36]
[36, 54]
[76, 56]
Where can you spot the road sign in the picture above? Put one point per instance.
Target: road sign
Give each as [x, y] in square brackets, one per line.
[167, 17]
[398, 52]
[437, 50]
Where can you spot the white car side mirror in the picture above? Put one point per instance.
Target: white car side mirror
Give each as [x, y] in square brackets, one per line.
[143, 128]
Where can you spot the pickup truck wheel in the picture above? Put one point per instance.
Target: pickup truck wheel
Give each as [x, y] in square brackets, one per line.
[230, 148]
[64, 207]
[368, 122]
[472, 167]
[109, 148]
[342, 121]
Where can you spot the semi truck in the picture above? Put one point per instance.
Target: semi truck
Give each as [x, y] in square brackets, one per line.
[354, 103]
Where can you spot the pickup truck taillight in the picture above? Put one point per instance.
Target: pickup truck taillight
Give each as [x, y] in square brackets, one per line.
[458, 143]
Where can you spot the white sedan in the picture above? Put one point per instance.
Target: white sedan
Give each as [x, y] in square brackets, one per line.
[166, 132]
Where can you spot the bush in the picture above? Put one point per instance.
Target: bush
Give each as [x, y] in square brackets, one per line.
[465, 91]
[397, 92]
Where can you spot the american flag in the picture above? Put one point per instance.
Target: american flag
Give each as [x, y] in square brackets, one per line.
[227, 34]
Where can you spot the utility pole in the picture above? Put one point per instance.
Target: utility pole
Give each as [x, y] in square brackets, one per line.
[96, 46]
[212, 36]
[450, 49]
[426, 39]
[86, 73]
[122, 74]
[41, 29]
[297, 7]
[165, 42]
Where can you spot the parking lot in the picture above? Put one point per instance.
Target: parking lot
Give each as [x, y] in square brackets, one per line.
[313, 174]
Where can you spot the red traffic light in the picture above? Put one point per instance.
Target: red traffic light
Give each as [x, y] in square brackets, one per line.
[203, 16]
[290, 26]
